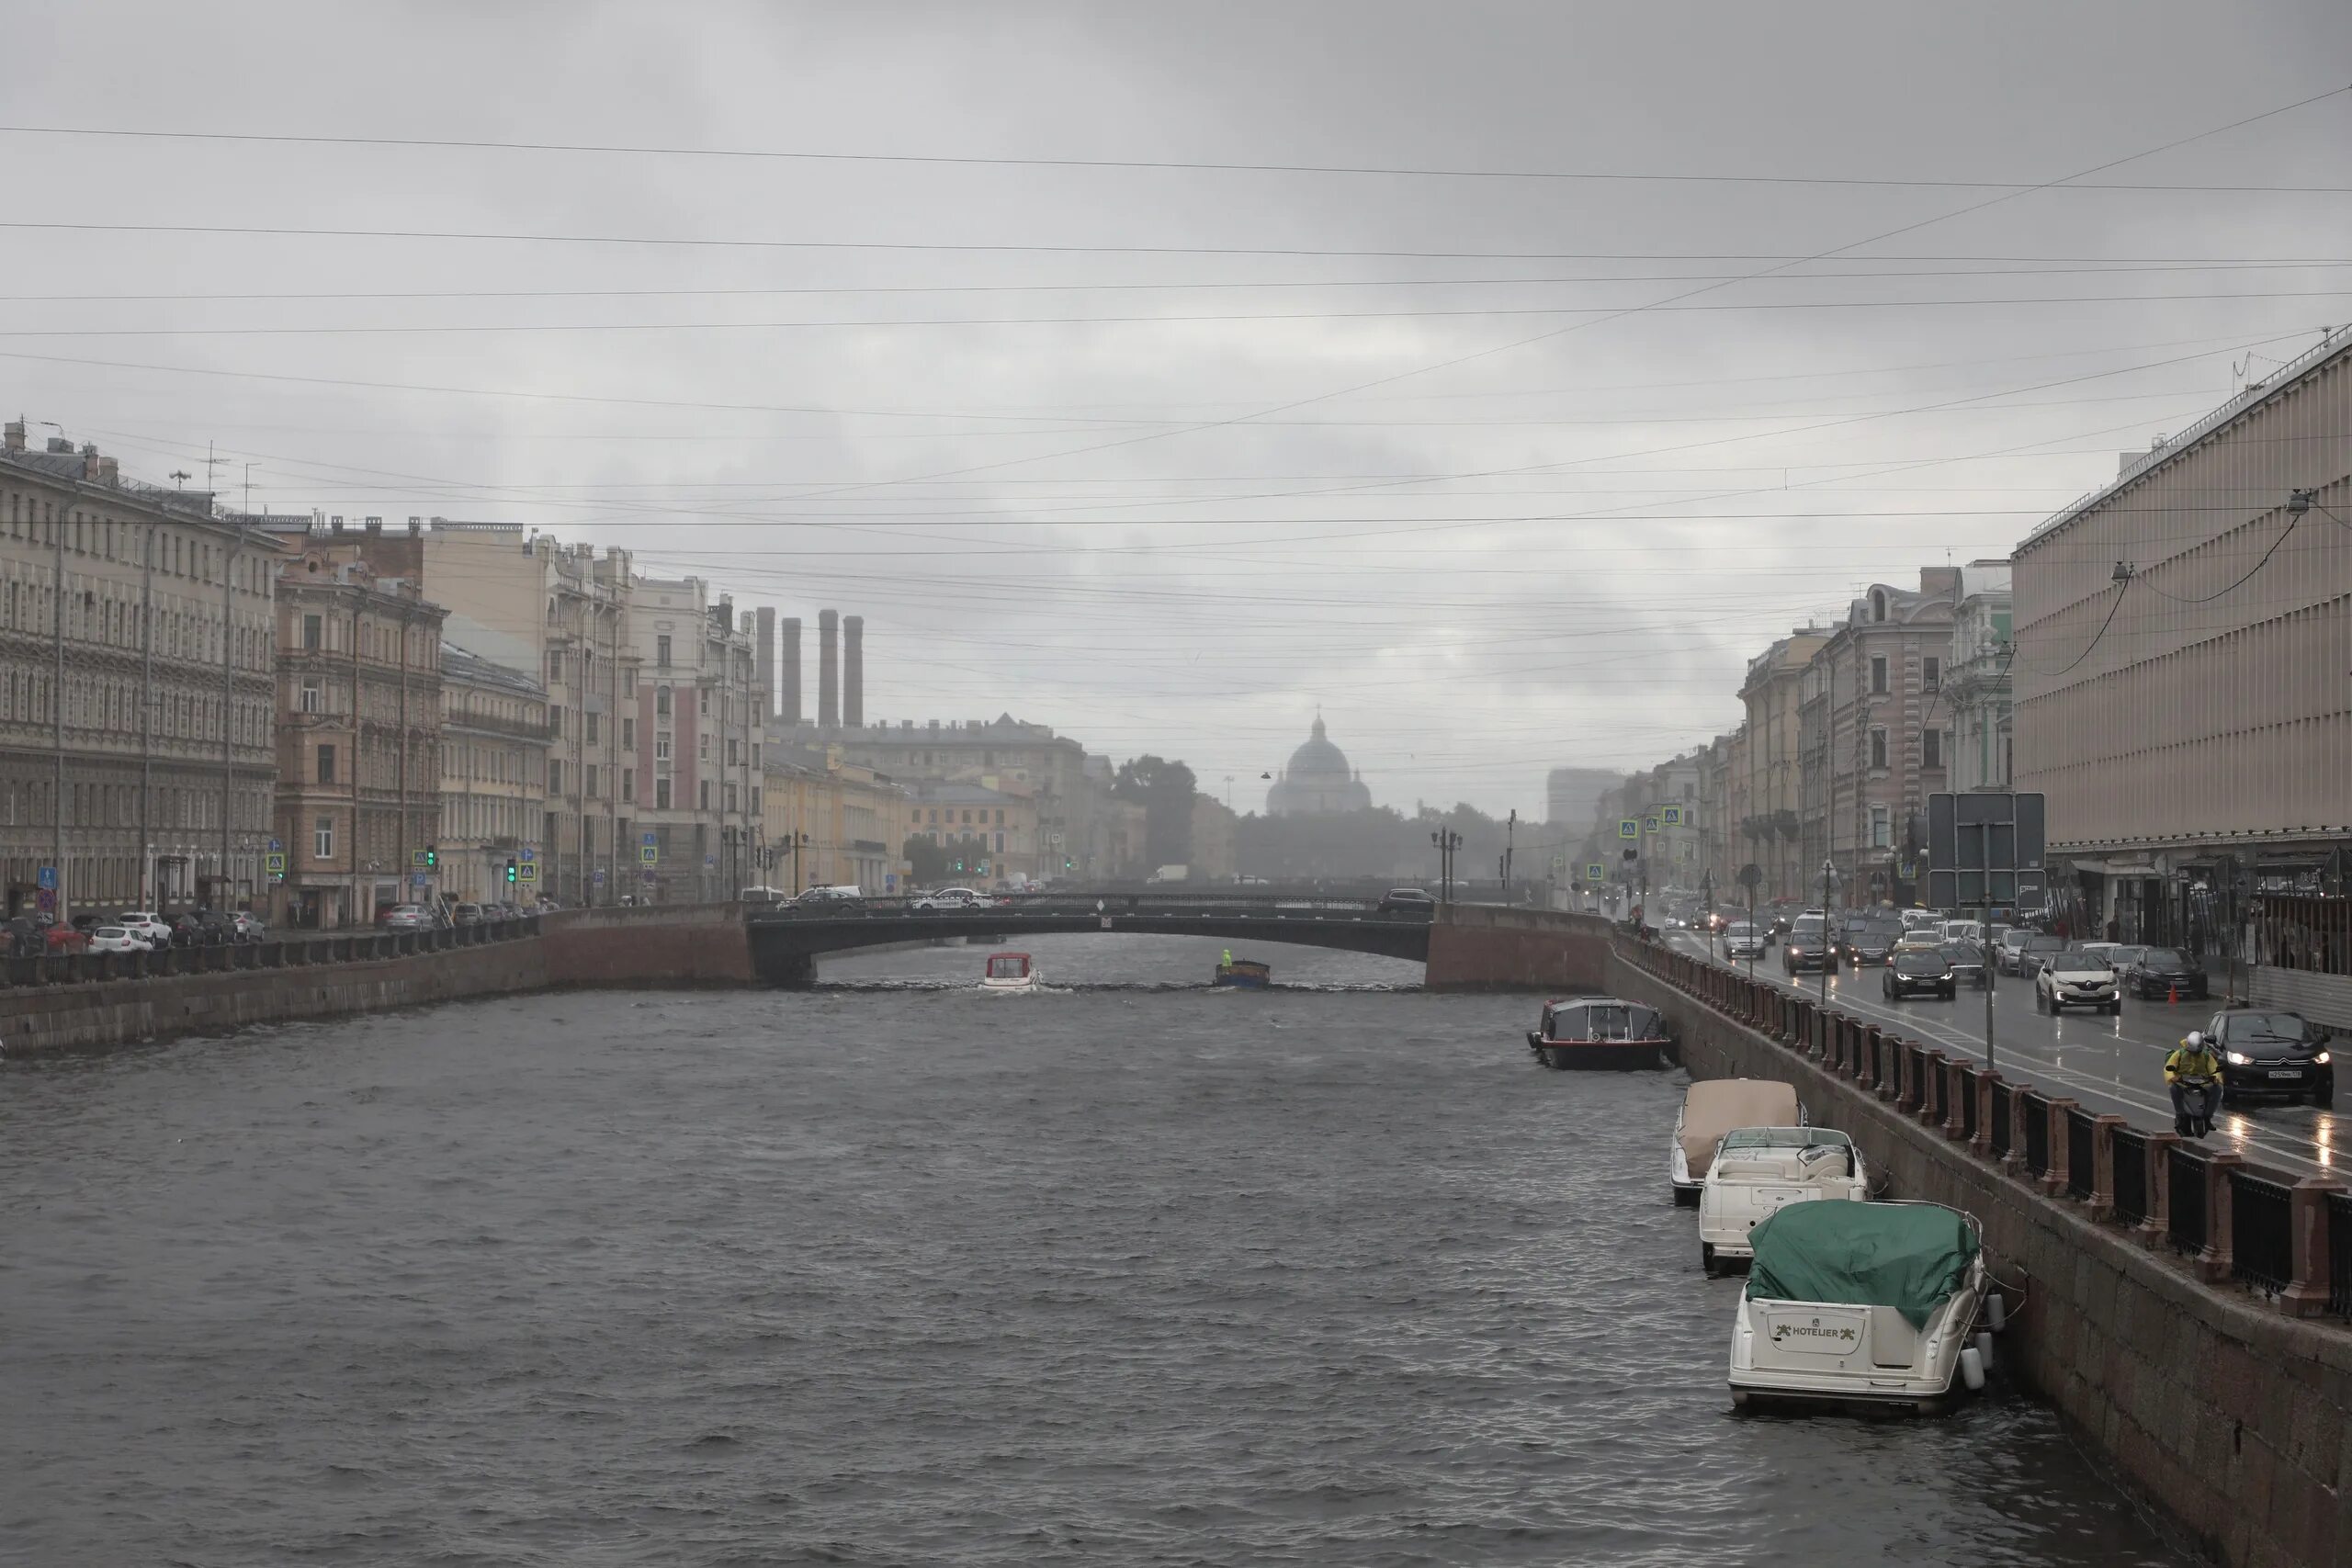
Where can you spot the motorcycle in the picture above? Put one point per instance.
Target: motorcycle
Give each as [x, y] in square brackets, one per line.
[2198, 1097]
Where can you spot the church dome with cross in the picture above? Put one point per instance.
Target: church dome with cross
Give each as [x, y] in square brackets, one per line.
[1318, 781]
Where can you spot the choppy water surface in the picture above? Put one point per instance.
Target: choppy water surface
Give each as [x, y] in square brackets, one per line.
[921, 1276]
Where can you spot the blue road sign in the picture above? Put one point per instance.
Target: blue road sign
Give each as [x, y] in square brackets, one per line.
[649, 840]
[49, 879]
[528, 855]
[275, 848]
[600, 877]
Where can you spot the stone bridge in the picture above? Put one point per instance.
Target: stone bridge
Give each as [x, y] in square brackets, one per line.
[1464, 947]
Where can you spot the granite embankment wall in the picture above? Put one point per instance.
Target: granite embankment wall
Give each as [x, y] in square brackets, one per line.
[2227, 1415]
[584, 949]
[1485, 947]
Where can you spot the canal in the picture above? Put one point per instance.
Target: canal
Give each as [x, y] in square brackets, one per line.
[896, 1272]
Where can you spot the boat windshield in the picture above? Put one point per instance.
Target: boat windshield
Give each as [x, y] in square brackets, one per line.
[1008, 966]
[1608, 1021]
[1783, 1138]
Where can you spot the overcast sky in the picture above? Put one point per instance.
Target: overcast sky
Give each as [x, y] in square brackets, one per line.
[1503, 472]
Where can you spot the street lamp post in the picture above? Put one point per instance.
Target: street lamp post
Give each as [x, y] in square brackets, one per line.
[1447, 841]
[1707, 902]
[1828, 948]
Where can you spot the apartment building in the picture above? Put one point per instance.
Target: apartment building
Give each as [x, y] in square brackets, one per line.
[558, 614]
[1769, 766]
[136, 685]
[1978, 679]
[694, 735]
[1873, 739]
[494, 740]
[827, 821]
[359, 730]
[990, 834]
[1078, 832]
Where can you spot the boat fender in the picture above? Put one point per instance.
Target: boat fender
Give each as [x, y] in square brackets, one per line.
[1984, 1350]
[1996, 1311]
[1972, 1369]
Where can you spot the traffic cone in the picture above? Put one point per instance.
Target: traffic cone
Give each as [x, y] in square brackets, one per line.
[2172, 993]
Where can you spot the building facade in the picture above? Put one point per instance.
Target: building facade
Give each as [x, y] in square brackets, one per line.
[1572, 795]
[136, 657]
[827, 821]
[1316, 781]
[1978, 679]
[494, 778]
[1874, 738]
[1077, 828]
[693, 734]
[2183, 636]
[359, 727]
[990, 835]
[1769, 824]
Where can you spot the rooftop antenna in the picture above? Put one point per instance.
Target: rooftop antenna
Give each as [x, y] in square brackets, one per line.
[180, 475]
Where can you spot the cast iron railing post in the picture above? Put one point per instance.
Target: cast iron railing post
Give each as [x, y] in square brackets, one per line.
[2213, 1263]
[2158, 1224]
[2062, 1148]
[2306, 1294]
[2103, 1164]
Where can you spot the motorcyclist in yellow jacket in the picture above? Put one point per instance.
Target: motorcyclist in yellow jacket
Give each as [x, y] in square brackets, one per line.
[2192, 1059]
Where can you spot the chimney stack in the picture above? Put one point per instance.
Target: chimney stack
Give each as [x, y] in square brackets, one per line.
[16, 435]
[791, 692]
[853, 672]
[763, 672]
[828, 670]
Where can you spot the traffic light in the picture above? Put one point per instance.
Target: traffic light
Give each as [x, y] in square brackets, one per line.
[510, 871]
[432, 856]
[1068, 864]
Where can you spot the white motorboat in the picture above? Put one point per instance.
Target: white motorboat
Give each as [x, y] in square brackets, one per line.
[1860, 1304]
[1009, 972]
[1712, 1108]
[1758, 1170]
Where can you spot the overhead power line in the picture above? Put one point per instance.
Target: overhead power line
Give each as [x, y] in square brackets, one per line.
[1181, 166]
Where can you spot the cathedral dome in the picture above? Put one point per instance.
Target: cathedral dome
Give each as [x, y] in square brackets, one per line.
[1318, 781]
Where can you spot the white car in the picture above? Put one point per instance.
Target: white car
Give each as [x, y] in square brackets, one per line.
[1744, 941]
[147, 927]
[115, 939]
[950, 898]
[2076, 978]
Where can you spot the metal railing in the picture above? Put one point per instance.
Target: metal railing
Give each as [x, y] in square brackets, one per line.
[2129, 1147]
[2002, 1138]
[1939, 1086]
[2262, 1236]
[1965, 1082]
[2184, 1200]
[279, 950]
[2033, 1109]
[2078, 1151]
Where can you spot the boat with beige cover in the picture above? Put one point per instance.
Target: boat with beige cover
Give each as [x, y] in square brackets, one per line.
[1713, 1107]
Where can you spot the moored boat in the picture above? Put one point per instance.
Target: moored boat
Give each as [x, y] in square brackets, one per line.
[1860, 1304]
[1602, 1032]
[1759, 1171]
[1009, 972]
[1244, 975]
[1711, 1109]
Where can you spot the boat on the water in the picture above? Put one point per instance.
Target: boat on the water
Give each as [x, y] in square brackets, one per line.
[1244, 975]
[1600, 1032]
[1009, 972]
[1711, 1109]
[1759, 1171]
[1861, 1305]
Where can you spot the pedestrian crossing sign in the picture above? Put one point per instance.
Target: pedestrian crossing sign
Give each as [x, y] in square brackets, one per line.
[1627, 828]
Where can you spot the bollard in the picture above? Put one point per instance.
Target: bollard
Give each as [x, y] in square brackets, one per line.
[2158, 1204]
[2220, 1214]
[2306, 1294]
[2103, 1164]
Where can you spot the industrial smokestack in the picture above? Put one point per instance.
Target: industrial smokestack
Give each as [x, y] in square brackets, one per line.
[828, 670]
[853, 672]
[763, 674]
[791, 686]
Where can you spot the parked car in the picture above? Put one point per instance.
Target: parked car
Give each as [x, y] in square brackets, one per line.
[116, 939]
[248, 926]
[2158, 974]
[466, 915]
[2269, 1052]
[202, 928]
[2076, 978]
[2007, 945]
[147, 925]
[30, 936]
[2034, 951]
[1408, 901]
[404, 918]
[1914, 971]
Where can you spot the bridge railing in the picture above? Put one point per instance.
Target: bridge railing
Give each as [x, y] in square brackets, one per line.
[1079, 906]
[280, 950]
[2296, 1236]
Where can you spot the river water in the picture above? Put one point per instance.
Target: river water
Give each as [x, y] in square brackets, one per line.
[893, 1272]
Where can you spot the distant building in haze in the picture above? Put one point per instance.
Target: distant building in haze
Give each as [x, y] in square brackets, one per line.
[1318, 781]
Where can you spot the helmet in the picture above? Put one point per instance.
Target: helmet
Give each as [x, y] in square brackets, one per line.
[2195, 1042]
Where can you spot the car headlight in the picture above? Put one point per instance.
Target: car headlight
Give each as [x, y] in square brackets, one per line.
[2321, 1060]
[2237, 1059]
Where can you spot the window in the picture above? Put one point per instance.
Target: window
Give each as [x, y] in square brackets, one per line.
[555, 776]
[662, 652]
[1878, 748]
[706, 702]
[555, 665]
[702, 749]
[322, 840]
[999, 821]
[1931, 674]
[592, 729]
[629, 735]
[661, 749]
[1931, 748]
[1000, 843]
[1880, 832]
[314, 631]
[588, 781]
[628, 783]
[661, 701]
[730, 797]
[326, 764]
[1878, 675]
[311, 698]
[660, 794]
[706, 795]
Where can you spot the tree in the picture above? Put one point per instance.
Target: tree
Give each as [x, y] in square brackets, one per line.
[1165, 791]
[926, 862]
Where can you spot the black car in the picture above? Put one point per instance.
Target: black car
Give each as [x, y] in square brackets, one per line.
[1966, 961]
[2159, 973]
[1917, 971]
[1871, 941]
[1410, 901]
[1811, 945]
[2034, 951]
[2268, 1051]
